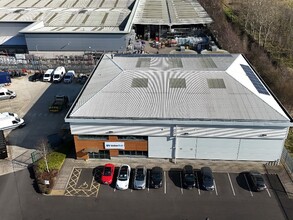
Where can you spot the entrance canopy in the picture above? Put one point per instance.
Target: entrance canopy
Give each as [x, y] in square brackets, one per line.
[170, 12]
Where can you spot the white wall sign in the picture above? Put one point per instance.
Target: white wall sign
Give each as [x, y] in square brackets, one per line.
[114, 145]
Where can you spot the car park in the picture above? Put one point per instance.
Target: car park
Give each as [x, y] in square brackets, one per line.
[108, 173]
[6, 94]
[207, 178]
[69, 76]
[139, 180]
[188, 177]
[156, 177]
[257, 181]
[48, 75]
[123, 177]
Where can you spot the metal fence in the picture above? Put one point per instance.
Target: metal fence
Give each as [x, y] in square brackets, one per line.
[287, 160]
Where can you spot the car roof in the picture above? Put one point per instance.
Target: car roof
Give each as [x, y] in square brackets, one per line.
[109, 165]
[188, 167]
[157, 169]
[206, 170]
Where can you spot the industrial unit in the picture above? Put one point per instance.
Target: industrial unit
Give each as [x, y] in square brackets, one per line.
[86, 26]
[178, 106]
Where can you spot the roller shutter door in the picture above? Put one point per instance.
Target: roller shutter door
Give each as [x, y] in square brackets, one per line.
[216, 148]
[260, 150]
[186, 148]
[160, 147]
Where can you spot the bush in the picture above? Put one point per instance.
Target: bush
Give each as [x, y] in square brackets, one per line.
[55, 161]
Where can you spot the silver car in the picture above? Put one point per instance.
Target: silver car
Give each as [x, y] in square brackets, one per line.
[139, 180]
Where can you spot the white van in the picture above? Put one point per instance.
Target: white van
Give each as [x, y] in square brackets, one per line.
[6, 94]
[58, 73]
[10, 120]
[48, 75]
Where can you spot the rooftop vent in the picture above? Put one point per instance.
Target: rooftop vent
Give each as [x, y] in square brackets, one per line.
[18, 10]
[139, 83]
[83, 11]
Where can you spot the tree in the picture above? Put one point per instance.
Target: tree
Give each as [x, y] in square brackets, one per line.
[44, 148]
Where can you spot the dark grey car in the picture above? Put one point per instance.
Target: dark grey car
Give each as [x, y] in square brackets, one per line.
[156, 177]
[139, 181]
[207, 178]
[257, 181]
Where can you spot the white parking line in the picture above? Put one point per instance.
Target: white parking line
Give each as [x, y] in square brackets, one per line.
[231, 184]
[149, 179]
[165, 183]
[197, 183]
[181, 183]
[248, 185]
[215, 187]
[114, 189]
[268, 192]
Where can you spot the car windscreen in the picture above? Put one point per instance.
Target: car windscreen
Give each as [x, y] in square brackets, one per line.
[107, 171]
[122, 176]
[47, 75]
[189, 177]
[139, 177]
[67, 77]
[56, 76]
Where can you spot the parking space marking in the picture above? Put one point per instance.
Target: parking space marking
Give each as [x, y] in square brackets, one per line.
[231, 184]
[181, 187]
[215, 187]
[268, 192]
[114, 189]
[165, 183]
[149, 179]
[248, 185]
[197, 183]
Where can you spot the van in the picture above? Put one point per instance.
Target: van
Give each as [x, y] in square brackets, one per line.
[48, 75]
[69, 76]
[10, 120]
[6, 94]
[58, 74]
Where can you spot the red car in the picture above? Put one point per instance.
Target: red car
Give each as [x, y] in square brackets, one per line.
[108, 172]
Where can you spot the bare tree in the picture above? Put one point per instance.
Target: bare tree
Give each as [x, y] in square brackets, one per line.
[44, 148]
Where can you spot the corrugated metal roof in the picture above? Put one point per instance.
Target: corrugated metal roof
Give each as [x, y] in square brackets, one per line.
[170, 12]
[109, 93]
[98, 16]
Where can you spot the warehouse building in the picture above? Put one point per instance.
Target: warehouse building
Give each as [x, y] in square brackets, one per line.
[88, 26]
[178, 106]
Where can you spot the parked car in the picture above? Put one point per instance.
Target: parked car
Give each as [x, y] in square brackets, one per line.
[6, 94]
[48, 75]
[207, 178]
[156, 177]
[108, 173]
[256, 180]
[69, 76]
[123, 177]
[188, 177]
[139, 180]
[10, 121]
[37, 76]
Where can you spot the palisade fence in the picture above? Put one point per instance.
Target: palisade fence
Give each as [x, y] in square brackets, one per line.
[287, 160]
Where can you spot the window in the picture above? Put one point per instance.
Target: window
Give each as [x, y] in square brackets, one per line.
[129, 153]
[102, 154]
[133, 138]
[1, 93]
[92, 137]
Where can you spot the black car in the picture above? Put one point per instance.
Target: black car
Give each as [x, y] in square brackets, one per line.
[156, 177]
[256, 180]
[38, 76]
[188, 177]
[207, 178]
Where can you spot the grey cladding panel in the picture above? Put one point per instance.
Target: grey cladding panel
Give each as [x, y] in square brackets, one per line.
[175, 63]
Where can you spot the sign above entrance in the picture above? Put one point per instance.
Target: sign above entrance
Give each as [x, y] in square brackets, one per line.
[114, 145]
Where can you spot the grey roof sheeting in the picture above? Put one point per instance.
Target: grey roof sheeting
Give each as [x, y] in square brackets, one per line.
[170, 12]
[67, 15]
[110, 94]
